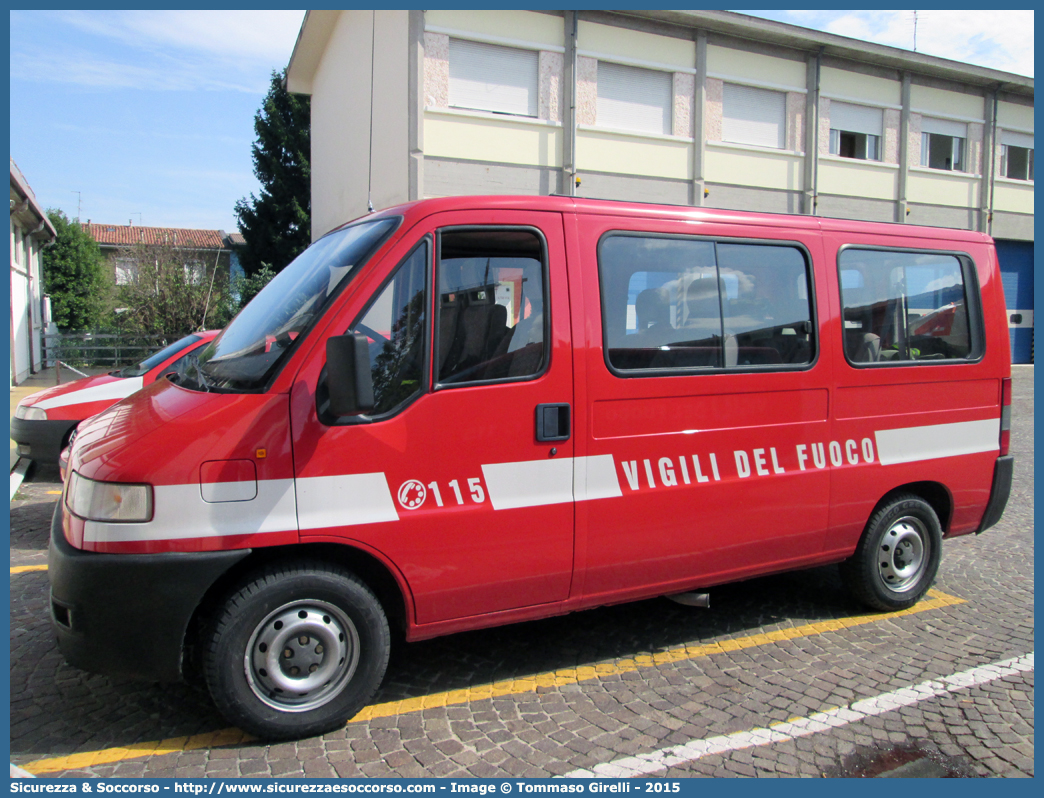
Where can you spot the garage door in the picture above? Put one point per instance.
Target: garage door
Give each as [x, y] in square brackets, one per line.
[1016, 264]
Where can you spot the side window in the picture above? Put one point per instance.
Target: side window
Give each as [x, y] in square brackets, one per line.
[904, 306]
[678, 303]
[394, 325]
[769, 318]
[492, 304]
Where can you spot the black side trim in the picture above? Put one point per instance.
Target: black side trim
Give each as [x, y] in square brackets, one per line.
[127, 613]
[999, 493]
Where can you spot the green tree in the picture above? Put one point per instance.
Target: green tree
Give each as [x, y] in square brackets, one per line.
[243, 288]
[277, 225]
[74, 276]
[172, 291]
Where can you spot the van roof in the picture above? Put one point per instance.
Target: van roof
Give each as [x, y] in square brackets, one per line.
[583, 205]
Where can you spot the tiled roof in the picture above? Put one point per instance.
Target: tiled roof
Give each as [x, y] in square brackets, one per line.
[121, 235]
[236, 239]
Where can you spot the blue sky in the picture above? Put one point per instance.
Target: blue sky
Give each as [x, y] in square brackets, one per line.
[149, 114]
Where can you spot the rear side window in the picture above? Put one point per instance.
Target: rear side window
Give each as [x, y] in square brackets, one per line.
[682, 303]
[492, 308]
[901, 306]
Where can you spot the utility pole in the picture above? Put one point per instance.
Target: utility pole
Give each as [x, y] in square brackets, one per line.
[915, 31]
[77, 193]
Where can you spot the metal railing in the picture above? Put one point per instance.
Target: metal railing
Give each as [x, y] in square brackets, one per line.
[101, 349]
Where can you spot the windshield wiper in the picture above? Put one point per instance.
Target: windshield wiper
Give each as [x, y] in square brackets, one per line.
[200, 379]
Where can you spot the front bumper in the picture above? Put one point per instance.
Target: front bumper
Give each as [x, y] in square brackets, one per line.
[40, 440]
[128, 613]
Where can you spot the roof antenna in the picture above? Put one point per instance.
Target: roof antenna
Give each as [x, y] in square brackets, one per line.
[369, 166]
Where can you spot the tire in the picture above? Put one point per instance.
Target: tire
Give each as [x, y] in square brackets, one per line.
[898, 555]
[296, 651]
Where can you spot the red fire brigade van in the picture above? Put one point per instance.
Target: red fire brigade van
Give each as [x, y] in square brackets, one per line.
[465, 412]
[43, 422]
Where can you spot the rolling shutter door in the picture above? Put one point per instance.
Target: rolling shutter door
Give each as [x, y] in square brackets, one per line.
[944, 127]
[754, 116]
[1012, 139]
[488, 77]
[856, 118]
[631, 98]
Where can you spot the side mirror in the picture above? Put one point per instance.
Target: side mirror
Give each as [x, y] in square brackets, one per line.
[348, 378]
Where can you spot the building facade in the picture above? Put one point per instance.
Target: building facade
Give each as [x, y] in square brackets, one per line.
[203, 251]
[31, 231]
[684, 107]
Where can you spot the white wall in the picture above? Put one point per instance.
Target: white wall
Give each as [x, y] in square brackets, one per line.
[341, 119]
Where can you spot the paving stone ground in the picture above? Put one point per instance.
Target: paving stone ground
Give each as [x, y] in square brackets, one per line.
[58, 710]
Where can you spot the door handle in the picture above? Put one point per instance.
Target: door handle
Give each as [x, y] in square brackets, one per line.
[552, 422]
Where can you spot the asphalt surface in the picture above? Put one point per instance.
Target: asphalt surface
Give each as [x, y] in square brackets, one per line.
[650, 682]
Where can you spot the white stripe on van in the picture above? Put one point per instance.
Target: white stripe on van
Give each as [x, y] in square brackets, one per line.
[180, 513]
[595, 478]
[535, 483]
[118, 389]
[344, 500]
[529, 483]
[911, 444]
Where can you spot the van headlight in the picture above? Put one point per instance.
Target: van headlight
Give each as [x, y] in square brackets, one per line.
[30, 413]
[108, 501]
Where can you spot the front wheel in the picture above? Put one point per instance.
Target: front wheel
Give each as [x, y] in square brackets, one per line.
[898, 555]
[296, 651]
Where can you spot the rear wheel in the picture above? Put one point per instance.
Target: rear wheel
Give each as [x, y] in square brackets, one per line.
[296, 651]
[898, 555]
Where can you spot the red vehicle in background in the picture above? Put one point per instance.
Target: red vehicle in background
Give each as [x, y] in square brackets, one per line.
[465, 412]
[44, 421]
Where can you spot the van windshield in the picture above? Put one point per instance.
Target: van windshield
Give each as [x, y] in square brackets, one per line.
[139, 369]
[257, 341]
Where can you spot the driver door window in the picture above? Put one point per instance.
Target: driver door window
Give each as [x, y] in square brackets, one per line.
[491, 305]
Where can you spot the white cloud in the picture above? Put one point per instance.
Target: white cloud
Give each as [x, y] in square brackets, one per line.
[154, 50]
[258, 35]
[1000, 40]
[89, 70]
[997, 39]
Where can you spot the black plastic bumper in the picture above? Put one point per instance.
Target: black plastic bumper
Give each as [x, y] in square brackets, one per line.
[127, 613]
[42, 438]
[999, 493]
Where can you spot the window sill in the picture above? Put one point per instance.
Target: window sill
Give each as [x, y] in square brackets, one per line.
[1014, 181]
[613, 131]
[860, 161]
[490, 116]
[927, 170]
[731, 145]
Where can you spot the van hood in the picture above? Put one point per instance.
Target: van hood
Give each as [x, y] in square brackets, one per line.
[162, 434]
[99, 388]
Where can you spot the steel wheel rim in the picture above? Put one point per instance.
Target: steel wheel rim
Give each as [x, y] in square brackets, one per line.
[301, 656]
[903, 554]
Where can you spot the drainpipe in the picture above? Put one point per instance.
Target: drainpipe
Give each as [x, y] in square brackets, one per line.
[811, 170]
[993, 159]
[903, 203]
[815, 152]
[569, 162]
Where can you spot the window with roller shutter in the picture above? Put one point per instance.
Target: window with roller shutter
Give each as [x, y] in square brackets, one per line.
[491, 77]
[634, 99]
[943, 144]
[1017, 155]
[855, 131]
[754, 116]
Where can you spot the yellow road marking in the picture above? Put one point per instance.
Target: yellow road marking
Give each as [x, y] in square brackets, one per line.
[53, 492]
[560, 678]
[22, 569]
